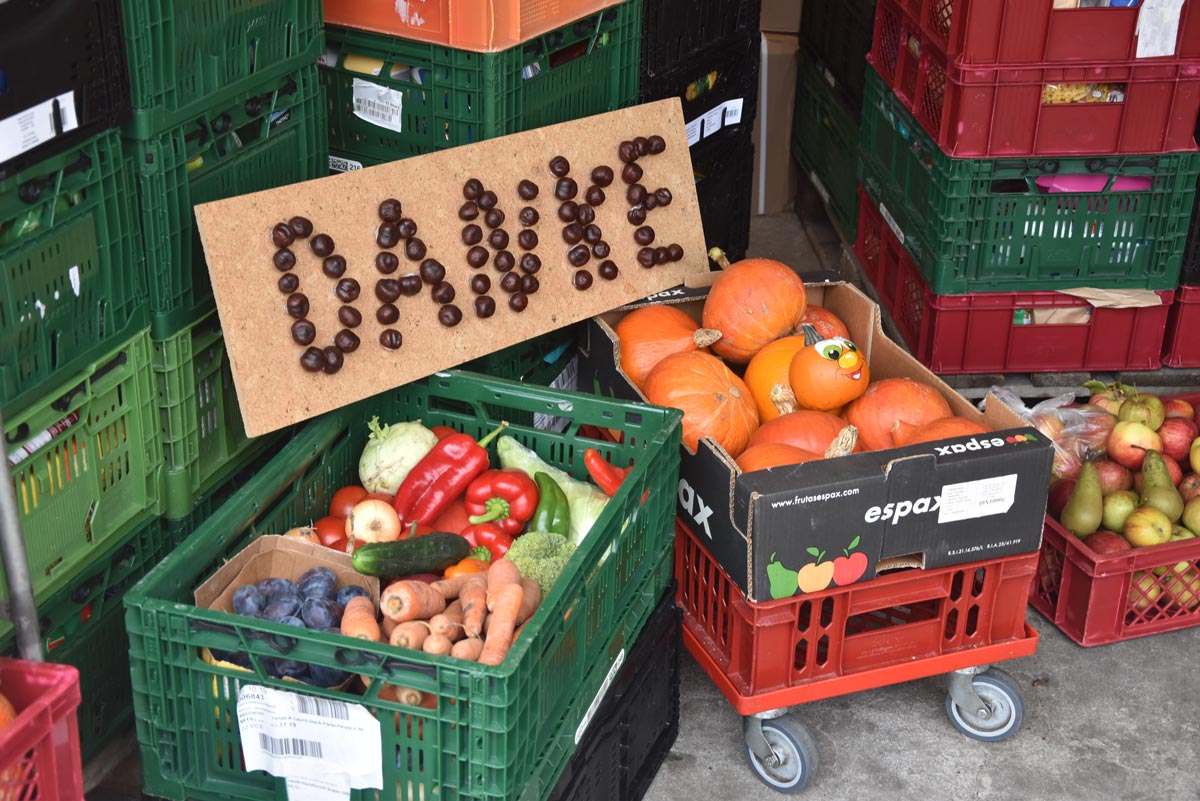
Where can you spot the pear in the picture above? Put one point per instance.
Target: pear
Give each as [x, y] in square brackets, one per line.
[1085, 508]
[1158, 490]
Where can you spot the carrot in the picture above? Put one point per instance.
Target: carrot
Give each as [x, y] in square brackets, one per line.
[468, 649]
[450, 587]
[436, 644]
[502, 573]
[358, 620]
[449, 624]
[405, 695]
[500, 628]
[410, 635]
[529, 601]
[386, 627]
[474, 605]
[411, 600]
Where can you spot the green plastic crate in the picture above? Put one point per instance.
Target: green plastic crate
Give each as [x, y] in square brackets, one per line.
[537, 360]
[825, 144]
[440, 97]
[203, 436]
[980, 225]
[88, 463]
[186, 56]
[269, 135]
[72, 279]
[491, 725]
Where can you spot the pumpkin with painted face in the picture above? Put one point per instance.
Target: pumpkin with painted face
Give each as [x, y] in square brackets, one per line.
[827, 373]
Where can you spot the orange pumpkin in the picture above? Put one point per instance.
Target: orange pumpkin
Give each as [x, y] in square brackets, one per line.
[828, 324]
[715, 403]
[651, 333]
[773, 454]
[752, 303]
[806, 429]
[889, 401]
[767, 377]
[827, 373]
[942, 428]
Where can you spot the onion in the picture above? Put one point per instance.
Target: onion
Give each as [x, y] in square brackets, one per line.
[391, 452]
[371, 521]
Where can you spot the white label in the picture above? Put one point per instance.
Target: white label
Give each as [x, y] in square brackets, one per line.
[817, 185]
[27, 129]
[377, 104]
[829, 77]
[567, 380]
[693, 131]
[339, 164]
[733, 111]
[713, 120]
[982, 498]
[302, 737]
[1158, 28]
[591, 712]
[887, 218]
[330, 788]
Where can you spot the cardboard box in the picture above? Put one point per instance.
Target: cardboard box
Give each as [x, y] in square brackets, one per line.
[775, 172]
[930, 505]
[780, 16]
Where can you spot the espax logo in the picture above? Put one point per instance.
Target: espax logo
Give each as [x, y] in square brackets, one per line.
[897, 511]
[695, 506]
[983, 444]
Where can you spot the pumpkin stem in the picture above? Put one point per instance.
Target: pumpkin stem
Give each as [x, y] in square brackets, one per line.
[843, 444]
[811, 335]
[783, 398]
[703, 337]
[718, 255]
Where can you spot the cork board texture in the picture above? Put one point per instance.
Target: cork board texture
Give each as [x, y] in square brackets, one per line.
[274, 389]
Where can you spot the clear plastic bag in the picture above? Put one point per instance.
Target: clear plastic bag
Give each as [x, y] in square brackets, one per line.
[1079, 434]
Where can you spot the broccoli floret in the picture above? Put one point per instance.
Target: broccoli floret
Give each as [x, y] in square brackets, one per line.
[541, 556]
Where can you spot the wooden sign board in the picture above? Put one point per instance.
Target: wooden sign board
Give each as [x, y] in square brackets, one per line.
[272, 387]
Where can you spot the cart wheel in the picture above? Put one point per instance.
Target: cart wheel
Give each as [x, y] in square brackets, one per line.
[999, 692]
[794, 753]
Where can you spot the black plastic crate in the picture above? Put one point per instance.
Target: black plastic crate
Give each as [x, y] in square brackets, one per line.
[47, 50]
[836, 34]
[1190, 276]
[675, 32]
[724, 170]
[636, 724]
[709, 83]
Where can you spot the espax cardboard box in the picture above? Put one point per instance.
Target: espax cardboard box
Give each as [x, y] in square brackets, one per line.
[808, 527]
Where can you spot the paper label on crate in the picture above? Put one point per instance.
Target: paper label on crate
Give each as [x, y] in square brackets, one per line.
[693, 131]
[891, 222]
[339, 164]
[302, 737]
[1158, 28]
[733, 111]
[567, 380]
[713, 119]
[330, 788]
[27, 129]
[377, 104]
[982, 498]
[817, 185]
[591, 710]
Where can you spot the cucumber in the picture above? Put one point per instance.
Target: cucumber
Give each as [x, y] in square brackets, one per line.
[431, 553]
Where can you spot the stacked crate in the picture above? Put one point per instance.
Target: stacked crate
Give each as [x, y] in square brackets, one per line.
[1013, 153]
[1181, 346]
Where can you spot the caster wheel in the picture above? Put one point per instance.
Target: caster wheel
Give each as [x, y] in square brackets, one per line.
[794, 755]
[999, 692]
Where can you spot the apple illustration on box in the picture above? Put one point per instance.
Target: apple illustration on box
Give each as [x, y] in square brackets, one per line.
[818, 574]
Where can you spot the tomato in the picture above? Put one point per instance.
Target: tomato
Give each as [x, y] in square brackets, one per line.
[330, 530]
[344, 499]
[379, 496]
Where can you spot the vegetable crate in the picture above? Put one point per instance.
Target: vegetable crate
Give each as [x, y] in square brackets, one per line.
[723, 172]
[676, 32]
[836, 35]
[1021, 224]
[825, 145]
[998, 332]
[1190, 274]
[910, 624]
[72, 280]
[64, 78]
[1037, 109]
[537, 360]
[187, 56]
[393, 98]
[1096, 598]
[268, 135]
[39, 750]
[1181, 345]
[85, 463]
[626, 742]
[489, 728]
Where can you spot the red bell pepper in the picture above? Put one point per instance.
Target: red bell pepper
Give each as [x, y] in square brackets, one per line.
[607, 477]
[441, 476]
[490, 536]
[441, 432]
[505, 497]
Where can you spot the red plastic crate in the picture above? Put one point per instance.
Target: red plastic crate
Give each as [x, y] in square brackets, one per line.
[977, 112]
[980, 333]
[1033, 31]
[900, 626]
[39, 750]
[1096, 598]
[1181, 345]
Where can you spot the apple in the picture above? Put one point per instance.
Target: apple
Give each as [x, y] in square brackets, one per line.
[814, 576]
[1059, 494]
[1177, 434]
[1191, 515]
[1110, 398]
[1194, 456]
[1129, 441]
[1173, 469]
[1117, 507]
[1179, 533]
[1183, 585]
[1106, 542]
[849, 569]
[1189, 486]
[1178, 407]
[1146, 526]
[1144, 592]
[1113, 477]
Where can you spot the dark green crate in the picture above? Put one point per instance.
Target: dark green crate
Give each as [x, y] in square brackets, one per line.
[88, 463]
[72, 279]
[537, 360]
[825, 144]
[269, 135]
[837, 37]
[187, 56]
[454, 97]
[981, 225]
[491, 725]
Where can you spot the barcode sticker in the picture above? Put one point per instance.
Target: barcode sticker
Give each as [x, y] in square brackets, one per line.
[339, 164]
[301, 737]
[378, 105]
[27, 129]
[891, 221]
